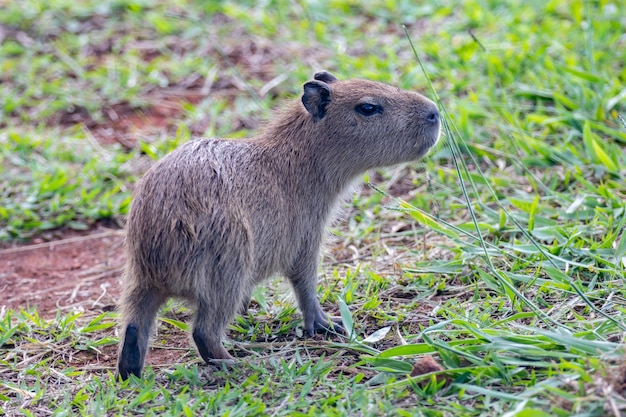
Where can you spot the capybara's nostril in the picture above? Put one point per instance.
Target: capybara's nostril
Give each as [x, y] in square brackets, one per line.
[433, 116]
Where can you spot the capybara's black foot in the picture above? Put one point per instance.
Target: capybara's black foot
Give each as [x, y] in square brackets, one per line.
[130, 360]
[332, 325]
[321, 324]
[208, 351]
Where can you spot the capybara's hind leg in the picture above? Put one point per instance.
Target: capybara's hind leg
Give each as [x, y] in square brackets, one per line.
[138, 308]
[245, 303]
[210, 322]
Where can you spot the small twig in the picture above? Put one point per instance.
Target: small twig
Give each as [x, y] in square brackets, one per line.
[94, 142]
[104, 292]
[471, 33]
[255, 97]
[279, 79]
[60, 242]
[107, 273]
[280, 406]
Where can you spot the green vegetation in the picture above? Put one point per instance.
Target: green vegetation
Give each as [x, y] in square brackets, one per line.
[502, 255]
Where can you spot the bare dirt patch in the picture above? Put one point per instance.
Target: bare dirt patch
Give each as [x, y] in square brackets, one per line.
[79, 271]
[126, 125]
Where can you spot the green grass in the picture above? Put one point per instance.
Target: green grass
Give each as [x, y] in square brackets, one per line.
[503, 256]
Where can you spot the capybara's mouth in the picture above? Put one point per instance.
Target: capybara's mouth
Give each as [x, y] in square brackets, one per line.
[431, 141]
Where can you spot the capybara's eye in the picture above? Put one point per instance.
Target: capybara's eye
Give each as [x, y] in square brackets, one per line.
[368, 109]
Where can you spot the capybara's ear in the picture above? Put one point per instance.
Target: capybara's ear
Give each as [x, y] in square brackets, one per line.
[316, 96]
[325, 76]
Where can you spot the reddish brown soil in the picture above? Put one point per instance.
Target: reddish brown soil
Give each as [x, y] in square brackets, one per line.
[79, 271]
[126, 125]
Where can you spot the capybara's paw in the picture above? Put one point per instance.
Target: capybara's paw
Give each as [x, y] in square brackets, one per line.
[210, 351]
[323, 325]
[130, 361]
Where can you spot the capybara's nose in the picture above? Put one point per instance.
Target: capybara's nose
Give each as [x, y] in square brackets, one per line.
[433, 116]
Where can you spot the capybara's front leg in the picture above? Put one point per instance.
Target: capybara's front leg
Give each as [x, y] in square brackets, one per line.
[304, 280]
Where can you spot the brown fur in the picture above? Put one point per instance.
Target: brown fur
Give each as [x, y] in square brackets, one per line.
[216, 217]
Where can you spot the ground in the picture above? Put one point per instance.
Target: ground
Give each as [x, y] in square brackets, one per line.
[497, 279]
[75, 271]
[66, 270]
